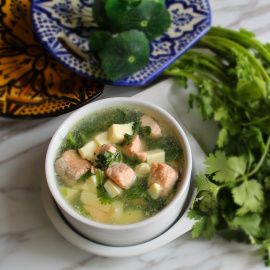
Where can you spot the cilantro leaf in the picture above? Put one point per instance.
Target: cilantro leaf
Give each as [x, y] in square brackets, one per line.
[254, 137]
[194, 214]
[250, 223]
[205, 227]
[85, 176]
[222, 137]
[108, 158]
[103, 195]
[249, 195]
[225, 169]
[215, 162]
[251, 90]
[146, 131]
[198, 228]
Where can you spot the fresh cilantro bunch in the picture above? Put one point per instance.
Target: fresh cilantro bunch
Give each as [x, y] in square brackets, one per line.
[231, 74]
[126, 29]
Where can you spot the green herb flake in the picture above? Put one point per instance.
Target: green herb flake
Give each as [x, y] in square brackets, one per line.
[146, 131]
[85, 176]
[103, 195]
[107, 158]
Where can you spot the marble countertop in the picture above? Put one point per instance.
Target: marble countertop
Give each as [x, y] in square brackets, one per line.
[28, 240]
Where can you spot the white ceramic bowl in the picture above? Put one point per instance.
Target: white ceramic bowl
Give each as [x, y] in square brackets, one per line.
[120, 235]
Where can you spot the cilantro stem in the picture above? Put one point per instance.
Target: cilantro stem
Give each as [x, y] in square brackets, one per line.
[209, 58]
[180, 73]
[210, 45]
[231, 45]
[239, 104]
[257, 121]
[71, 138]
[210, 64]
[246, 176]
[262, 158]
[241, 38]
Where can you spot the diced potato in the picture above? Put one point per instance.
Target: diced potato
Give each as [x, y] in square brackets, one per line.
[117, 208]
[116, 211]
[155, 156]
[88, 150]
[154, 190]
[92, 183]
[97, 214]
[69, 193]
[116, 132]
[102, 138]
[81, 186]
[112, 188]
[91, 199]
[142, 170]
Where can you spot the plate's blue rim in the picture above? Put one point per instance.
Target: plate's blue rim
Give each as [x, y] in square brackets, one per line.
[208, 17]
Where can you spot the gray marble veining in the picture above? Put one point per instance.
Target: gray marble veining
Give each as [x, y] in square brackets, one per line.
[28, 240]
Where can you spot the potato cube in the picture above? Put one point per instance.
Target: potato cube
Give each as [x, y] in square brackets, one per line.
[142, 170]
[154, 190]
[112, 188]
[116, 132]
[155, 156]
[81, 186]
[117, 208]
[69, 193]
[88, 150]
[102, 138]
[92, 183]
[91, 199]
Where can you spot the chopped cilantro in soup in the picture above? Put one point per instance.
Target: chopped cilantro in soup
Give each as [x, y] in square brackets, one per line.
[119, 165]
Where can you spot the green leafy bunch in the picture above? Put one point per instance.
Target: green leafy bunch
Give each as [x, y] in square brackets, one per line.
[126, 29]
[231, 70]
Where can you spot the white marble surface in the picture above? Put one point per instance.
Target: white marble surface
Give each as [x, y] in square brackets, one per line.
[28, 240]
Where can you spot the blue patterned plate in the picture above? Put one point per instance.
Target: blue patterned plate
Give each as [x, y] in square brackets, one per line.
[64, 26]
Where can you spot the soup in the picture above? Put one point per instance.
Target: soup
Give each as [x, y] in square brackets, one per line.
[119, 165]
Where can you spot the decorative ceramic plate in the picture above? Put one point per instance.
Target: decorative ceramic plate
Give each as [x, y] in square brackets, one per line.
[33, 84]
[64, 28]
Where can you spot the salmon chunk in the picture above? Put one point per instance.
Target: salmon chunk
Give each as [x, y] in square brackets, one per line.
[106, 147]
[72, 166]
[121, 174]
[134, 149]
[155, 128]
[164, 175]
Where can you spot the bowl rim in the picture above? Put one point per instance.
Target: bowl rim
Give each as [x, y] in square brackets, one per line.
[90, 108]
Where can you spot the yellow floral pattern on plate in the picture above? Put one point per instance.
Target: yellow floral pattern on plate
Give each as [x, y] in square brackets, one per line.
[33, 84]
